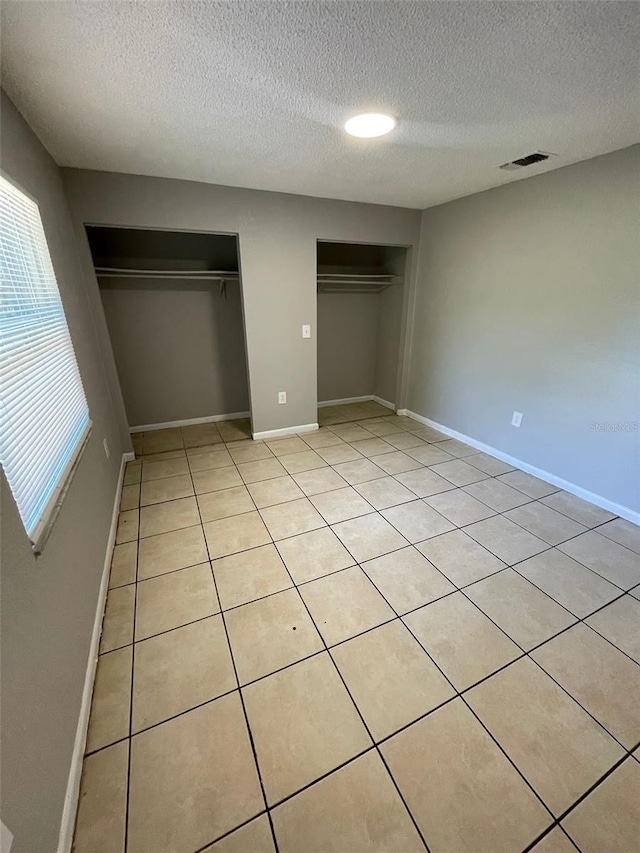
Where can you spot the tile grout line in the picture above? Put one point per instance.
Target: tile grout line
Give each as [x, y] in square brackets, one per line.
[235, 671]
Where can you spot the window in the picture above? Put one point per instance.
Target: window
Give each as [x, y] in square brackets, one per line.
[44, 418]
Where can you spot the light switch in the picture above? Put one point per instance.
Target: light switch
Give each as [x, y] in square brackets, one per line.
[306, 331]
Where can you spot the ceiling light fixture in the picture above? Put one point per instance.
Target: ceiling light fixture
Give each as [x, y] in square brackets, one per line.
[369, 125]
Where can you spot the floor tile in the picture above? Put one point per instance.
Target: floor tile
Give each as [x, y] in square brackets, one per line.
[407, 579]
[291, 518]
[459, 507]
[130, 497]
[167, 552]
[249, 575]
[614, 562]
[592, 671]
[497, 495]
[471, 799]
[382, 428]
[188, 787]
[159, 440]
[163, 469]
[210, 460]
[351, 432]
[341, 504]
[320, 480]
[427, 433]
[117, 624]
[404, 440]
[623, 532]
[505, 539]
[523, 612]
[225, 503]
[554, 743]
[216, 479]
[270, 492]
[298, 462]
[264, 469]
[545, 523]
[424, 482]
[459, 472]
[372, 447]
[397, 462]
[417, 521]
[180, 453]
[127, 530]
[345, 604]
[102, 804]
[172, 515]
[196, 435]
[180, 669]
[429, 455]
[577, 509]
[609, 818]
[132, 473]
[391, 679]
[237, 533]
[303, 724]
[253, 837]
[570, 583]
[366, 814]
[123, 564]
[531, 486]
[168, 601]
[359, 471]
[314, 554]
[168, 489]
[385, 492]
[459, 557]
[456, 448]
[109, 719]
[369, 536]
[337, 453]
[462, 641]
[271, 633]
[252, 452]
[619, 622]
[322, 438]
[287, 446]
[489, 464]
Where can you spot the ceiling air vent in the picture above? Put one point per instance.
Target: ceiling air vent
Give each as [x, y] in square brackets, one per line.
[521, 162]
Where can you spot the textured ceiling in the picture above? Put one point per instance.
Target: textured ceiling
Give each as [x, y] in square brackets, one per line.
[255, 94]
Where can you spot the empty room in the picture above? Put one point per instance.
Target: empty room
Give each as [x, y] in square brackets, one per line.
[319, 426]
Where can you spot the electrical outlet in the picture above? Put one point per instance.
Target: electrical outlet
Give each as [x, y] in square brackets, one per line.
[516, 420]
[306, 331]
[106, 448]
[282, 397]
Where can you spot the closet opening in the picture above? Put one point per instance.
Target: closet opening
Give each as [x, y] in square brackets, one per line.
[359, 327]
[173, 307]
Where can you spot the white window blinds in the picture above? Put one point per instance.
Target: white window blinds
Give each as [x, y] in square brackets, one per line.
[44, 418]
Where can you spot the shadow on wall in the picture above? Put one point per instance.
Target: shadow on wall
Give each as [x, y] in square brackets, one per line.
[179, 348]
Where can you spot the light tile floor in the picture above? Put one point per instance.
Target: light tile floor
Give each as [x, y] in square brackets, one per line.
[367, 638]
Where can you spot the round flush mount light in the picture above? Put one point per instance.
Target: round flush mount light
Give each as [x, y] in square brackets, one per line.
[369, 125]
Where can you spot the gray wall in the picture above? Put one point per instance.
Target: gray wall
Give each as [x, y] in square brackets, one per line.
[49, 604]
[528, 299]
[277, 240]
[390, 305]
[179, 348]
[347, 345]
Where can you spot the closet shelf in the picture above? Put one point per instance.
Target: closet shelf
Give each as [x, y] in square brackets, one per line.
[199, 275]
[356, 282]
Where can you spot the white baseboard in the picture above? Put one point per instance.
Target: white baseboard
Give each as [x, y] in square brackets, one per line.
[281, 433]
[578, 491]
[367, 398]
[210, 419]
[67, 824]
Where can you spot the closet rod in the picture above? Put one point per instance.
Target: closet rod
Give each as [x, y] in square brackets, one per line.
[197, 275]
